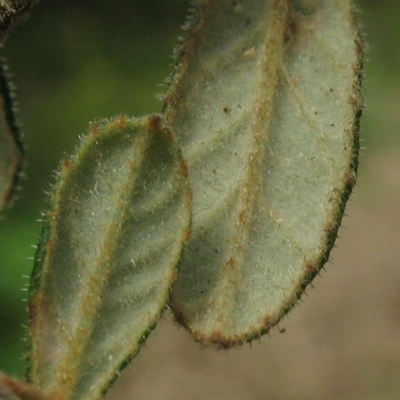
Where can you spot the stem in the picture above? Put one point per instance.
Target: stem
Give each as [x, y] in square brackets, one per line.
[11, 13]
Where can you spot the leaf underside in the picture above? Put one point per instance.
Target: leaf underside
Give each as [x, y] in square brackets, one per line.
[119, 216]
[265, 102]
[11, 150]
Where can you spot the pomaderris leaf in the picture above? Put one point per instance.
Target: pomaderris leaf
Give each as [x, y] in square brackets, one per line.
[119, 217]
[265, 102]
[11, 150]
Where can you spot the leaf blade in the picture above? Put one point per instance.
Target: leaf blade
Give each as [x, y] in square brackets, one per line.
[108, 256]
[265, 103]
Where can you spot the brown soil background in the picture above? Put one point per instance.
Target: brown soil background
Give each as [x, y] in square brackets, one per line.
[341, 342]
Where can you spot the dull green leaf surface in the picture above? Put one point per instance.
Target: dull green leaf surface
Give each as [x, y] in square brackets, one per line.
[265, 101]
[11, 150]
[119, 216]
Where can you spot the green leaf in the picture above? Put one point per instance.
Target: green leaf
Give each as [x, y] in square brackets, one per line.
[11, 149]
[265, 102]
[119, 216]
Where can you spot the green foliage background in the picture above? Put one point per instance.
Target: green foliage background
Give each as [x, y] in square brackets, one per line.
[75, 61]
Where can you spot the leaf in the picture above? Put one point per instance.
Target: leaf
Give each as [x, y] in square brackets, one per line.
[119, 216]
[265, 102]
[11, 149]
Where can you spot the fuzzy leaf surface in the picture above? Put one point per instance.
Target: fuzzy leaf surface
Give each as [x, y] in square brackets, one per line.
[119, 216]
[265, 102]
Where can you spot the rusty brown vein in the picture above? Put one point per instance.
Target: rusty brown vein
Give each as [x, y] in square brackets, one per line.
[65, 377]
[276, 22]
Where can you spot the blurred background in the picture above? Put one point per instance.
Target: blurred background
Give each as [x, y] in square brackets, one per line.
[76, 61]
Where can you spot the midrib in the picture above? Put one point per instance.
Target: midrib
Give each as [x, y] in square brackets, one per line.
[276, 22]
[100, 270]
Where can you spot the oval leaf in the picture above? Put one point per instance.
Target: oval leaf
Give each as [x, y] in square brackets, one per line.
[119, 215]
[11, 149]
[265, 102]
